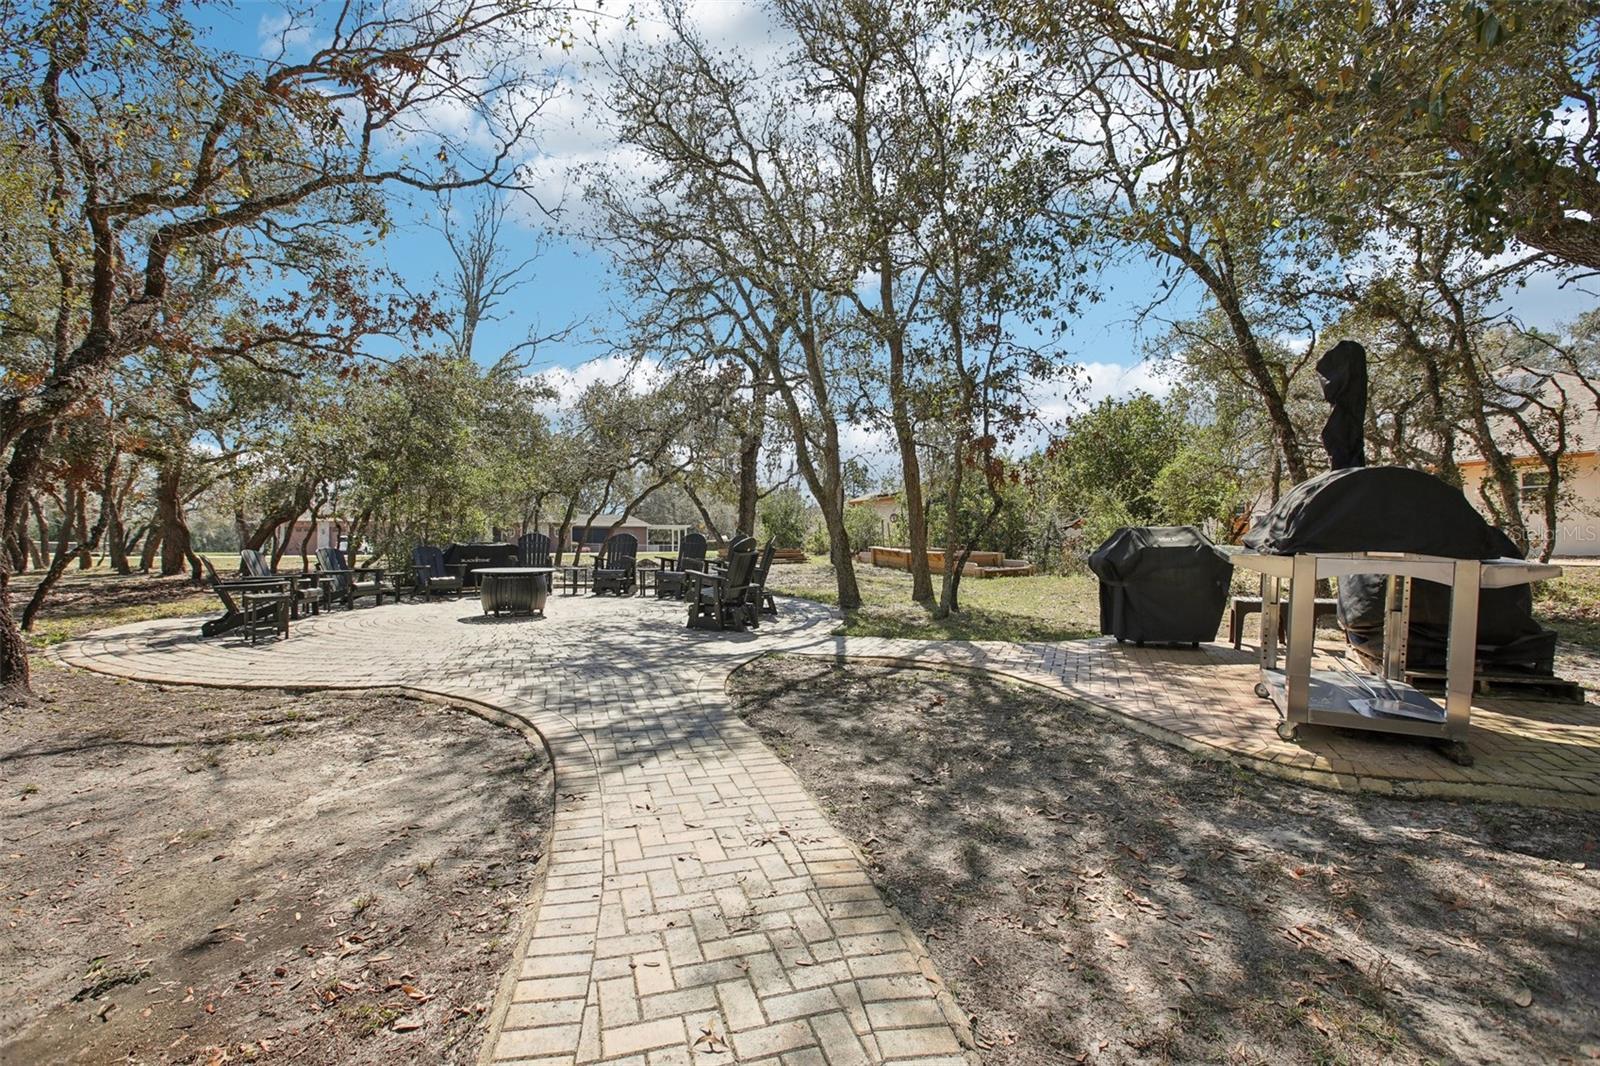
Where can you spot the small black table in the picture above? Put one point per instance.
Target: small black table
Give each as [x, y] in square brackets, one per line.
[647, 573]
[575, 579]
[517, 589]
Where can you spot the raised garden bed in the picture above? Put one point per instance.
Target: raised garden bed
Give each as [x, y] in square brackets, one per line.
[979, 564]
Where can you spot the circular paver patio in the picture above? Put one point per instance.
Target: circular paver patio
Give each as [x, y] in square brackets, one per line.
[696, 897]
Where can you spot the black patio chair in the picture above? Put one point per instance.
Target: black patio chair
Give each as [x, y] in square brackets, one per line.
[431, 576]
[718, 599]
[533, 549]
[260, 606]
[670, 581]
[348, 584]
[614, 566]
[727, 549]
[309, 594]
[757, 600]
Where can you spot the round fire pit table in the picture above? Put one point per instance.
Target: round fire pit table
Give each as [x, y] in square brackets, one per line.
[515, 589]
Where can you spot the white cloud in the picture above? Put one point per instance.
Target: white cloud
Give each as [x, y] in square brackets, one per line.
[1103, 380]
[569, 382]
[277, 31]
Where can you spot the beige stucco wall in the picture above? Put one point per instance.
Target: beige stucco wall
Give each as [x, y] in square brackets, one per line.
[1578, 532]
[885, 509]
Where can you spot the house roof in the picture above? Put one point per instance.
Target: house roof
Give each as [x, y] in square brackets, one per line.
[1520, 391]
[875, 497]
[606, 520]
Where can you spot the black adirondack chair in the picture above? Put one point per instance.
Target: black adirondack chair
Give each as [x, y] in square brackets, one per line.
[430, 574]
[309, 594]
[614, 566]
[727, 549]
[533, 549]
[349, 584]
[718, 598]
[258, 605]
[671, 581]
[757, 600]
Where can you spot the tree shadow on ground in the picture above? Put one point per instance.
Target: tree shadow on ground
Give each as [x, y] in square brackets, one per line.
[1087, 891]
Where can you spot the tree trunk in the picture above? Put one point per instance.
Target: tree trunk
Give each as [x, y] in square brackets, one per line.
[1479, 428]
[17, 545]
[1257, 369]
[905, 437]
[749, 459]
[69, 505]
[14, 686]
[535, 519]
[27, 449]
[152, 544]
[315, 516]
[175, 551]
[20, 547]
[948, 585]
[111, 498]
[59, 565]
[44, 530]
[566, 529]
[81, 523]
[705, 515]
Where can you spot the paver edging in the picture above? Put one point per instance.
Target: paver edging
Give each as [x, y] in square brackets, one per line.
[1330, 780]
[505, 989]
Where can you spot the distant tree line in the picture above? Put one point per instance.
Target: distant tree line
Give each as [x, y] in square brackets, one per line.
[879, 233]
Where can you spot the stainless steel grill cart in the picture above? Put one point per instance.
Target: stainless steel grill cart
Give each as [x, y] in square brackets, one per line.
[1351, 698]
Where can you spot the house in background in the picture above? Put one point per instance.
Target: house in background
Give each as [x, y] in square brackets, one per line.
[651, 537]
[1578, 527]
[323, 533]
[886, 505]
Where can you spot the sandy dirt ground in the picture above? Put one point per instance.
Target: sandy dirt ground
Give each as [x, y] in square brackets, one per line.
[1093, 896]
[195, 875]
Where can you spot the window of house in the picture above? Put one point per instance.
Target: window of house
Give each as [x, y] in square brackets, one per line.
[1534, 483]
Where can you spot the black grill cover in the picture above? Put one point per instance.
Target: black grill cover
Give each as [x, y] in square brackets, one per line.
[1390, 508]
[480, 555]
[1161, 583]
[1343, 370]
[1378, 508]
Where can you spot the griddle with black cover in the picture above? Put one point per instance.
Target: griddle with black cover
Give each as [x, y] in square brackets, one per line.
[1161, 584]
[1390, 508]
[477, 556]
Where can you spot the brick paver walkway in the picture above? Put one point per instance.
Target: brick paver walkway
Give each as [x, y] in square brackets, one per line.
[698, 907]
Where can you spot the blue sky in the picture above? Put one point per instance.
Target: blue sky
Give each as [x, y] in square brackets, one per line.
[569, 283]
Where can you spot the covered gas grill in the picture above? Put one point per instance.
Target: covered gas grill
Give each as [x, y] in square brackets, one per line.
[1161, 584]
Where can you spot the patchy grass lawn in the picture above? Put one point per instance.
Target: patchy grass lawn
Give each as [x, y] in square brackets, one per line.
[1571, 605]
[1046, 607]
[1066, 607]
[86, 600]
[1094, 896]
[200, 876]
